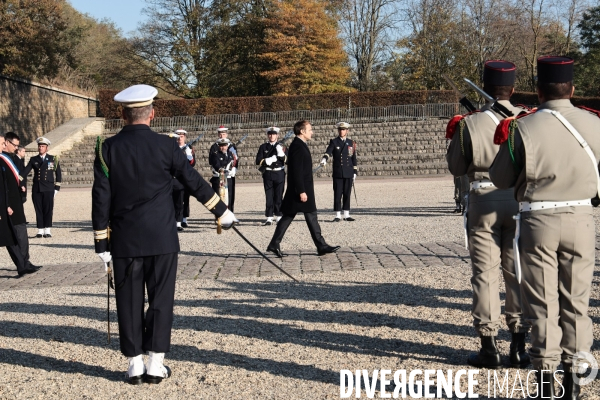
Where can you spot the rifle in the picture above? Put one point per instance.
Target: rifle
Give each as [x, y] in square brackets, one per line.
[463, 100]
[499, 108]
[263, 167]
[241, 140]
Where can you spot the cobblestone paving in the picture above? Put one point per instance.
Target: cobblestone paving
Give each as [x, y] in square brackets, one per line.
[218, 266]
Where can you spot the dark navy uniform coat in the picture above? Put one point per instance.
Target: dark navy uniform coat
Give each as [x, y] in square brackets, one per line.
[46, 173]
[344, 157]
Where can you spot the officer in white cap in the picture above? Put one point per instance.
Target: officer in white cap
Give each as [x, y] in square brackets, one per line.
[133, 173]
[181, 197]
[46, 184]
[222, 132]
[222, 161]
[343, 152]
[271, 160]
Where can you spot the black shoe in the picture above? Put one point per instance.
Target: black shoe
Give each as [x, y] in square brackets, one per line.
[39, 235]
[336, 219]
[184, 225]
[32, 269]
[545, 386]
[518, 356]
[267, 223]
[276, 251]
[571, 390]
[328, 249]
[350, 219]
[179, 229]
[488, 356]
[47, 235]
[155, 380]
[136, 380]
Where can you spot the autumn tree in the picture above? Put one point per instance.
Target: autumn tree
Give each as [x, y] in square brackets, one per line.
[303, 47]
[35, 38]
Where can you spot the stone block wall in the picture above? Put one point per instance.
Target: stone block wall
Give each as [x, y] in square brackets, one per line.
[32, 110]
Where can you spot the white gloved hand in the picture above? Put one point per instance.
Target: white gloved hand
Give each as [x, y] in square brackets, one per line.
[227, 219]
[354, 178]
[271, 160]
[323, 161]
[105, 257]
[188, 154]
[280, 152]
[232, 172]
[56, 191]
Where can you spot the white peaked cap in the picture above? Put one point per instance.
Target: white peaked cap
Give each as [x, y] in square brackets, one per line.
[344, 125]
[222, 129]
[43, 140]
[273, 129]
[136, 96]
[181, 131]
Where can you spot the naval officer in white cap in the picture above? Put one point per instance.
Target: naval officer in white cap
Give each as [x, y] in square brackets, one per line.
[131, 199]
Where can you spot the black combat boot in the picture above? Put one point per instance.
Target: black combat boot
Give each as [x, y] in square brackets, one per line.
[458, 208]
[572, 390]
[545, 387]
[518, 356]
[488, 356]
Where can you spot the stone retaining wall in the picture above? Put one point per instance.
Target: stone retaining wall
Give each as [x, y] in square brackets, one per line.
[32, 110]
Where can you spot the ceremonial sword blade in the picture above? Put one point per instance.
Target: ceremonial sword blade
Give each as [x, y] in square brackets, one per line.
[242, 139]
[483, 94]
[262, 254]
[317, 168]
[452, 85]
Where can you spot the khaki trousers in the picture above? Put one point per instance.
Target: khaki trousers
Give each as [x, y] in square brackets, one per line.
[491, 230]
[557, 259]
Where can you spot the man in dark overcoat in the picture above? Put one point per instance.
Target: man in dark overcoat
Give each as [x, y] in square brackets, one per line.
[300, 193]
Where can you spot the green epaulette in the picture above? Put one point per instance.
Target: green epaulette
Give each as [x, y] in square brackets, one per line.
[99, 143]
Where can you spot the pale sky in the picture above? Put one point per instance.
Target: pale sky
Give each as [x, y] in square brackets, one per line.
[126, 14]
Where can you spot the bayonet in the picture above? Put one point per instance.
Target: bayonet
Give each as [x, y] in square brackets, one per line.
[463, 98]
[241, 140]
[499, 108]
[190, 144]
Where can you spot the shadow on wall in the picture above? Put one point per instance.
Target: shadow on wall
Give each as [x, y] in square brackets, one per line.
[32, 110]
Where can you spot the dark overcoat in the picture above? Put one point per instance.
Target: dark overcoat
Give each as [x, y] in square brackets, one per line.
[299, 180]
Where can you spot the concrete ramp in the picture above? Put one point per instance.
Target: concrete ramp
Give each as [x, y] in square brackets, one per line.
[65, 136]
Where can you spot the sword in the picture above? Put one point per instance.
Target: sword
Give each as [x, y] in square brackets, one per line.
[316, 169]
[499, 108]
[354, 187]
[241, 140]
[110, 284]
[463, 100]
[195, 140]
[262, 254]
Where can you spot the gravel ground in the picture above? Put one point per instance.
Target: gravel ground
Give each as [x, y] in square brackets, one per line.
[257, 338]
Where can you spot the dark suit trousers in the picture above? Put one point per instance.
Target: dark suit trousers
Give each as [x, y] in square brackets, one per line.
[186, 204]
[313, 226]
[152, 332]
[341, 187]
[19, 252]
[178, 196]
[43, 203]
[273, 182]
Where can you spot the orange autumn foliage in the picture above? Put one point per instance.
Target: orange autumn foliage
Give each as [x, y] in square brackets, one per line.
[304, 50]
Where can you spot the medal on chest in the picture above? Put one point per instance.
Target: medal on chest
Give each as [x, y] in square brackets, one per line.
[350, 150]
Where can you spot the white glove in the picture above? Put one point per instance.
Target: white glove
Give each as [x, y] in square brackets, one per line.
[354, 178]
[232, 172]
[227, 219]
[56, 191]
[105, 257]
[188, 154]
[271, 160]
[280, 152]
[323, 161]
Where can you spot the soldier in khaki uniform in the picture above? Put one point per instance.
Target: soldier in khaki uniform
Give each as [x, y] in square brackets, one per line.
[554, 177]
[490, 223]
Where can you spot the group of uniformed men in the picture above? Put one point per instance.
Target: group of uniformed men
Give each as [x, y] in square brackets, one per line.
[271, 160]
[532, 174]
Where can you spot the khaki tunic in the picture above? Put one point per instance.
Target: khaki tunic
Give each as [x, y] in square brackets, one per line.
[557, 244]
[491, 227]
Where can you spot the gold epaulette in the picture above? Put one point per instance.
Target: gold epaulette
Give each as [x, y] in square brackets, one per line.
[20, 178]
[212, 203]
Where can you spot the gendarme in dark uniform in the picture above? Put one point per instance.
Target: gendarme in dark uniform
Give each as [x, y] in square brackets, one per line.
[222, 159]
[343, 151]
[46, 183]
[271, 160]
[133, 174]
